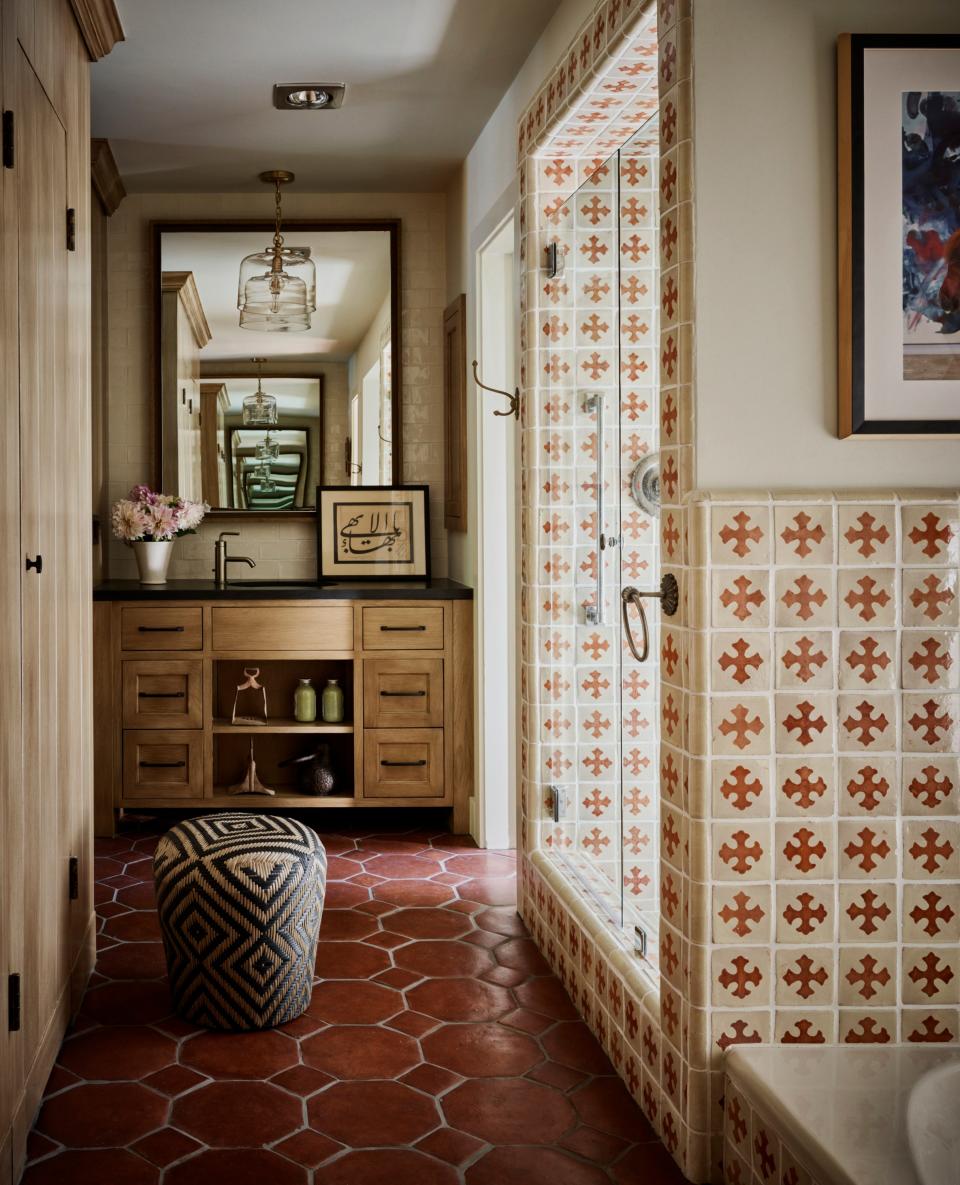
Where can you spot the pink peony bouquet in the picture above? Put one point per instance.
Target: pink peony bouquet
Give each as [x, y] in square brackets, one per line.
[145, 516]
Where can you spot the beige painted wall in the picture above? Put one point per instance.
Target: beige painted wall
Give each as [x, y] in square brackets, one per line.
[282, 550]
[764, 77]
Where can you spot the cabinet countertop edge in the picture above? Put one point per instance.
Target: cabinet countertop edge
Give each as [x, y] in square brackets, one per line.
[440, 589]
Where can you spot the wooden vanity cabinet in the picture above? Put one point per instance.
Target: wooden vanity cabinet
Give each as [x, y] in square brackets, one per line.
[169, 670]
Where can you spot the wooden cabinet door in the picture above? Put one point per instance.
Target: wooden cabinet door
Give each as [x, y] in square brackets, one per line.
[47, 586]
[403, 692]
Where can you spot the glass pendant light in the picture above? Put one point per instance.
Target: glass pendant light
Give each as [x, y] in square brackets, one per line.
[268, 449]
[260, 410]
[277, 289]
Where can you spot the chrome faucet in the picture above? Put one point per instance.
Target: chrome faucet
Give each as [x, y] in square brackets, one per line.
[221, 559]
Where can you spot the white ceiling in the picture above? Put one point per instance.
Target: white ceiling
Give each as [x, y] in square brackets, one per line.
[353, 280]
[186, 100]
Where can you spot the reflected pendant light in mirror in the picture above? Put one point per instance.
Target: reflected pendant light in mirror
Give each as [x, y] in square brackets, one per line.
[277, 290]
[260, 409]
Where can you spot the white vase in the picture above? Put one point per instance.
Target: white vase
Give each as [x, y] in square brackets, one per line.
[153, 560]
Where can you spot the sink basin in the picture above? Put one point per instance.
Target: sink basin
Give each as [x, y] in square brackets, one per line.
[933, 1125]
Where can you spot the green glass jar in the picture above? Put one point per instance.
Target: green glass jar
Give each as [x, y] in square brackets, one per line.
[305, 702]
[332, 702]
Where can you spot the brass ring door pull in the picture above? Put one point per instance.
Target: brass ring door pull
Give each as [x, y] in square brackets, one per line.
[669, 597]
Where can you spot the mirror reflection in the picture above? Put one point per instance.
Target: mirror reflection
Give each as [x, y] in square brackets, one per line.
[252, 419]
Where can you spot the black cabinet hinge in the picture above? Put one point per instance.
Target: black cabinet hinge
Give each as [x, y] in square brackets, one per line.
[8, 139]
[71, 229]
[74, 878]
[13, 1003]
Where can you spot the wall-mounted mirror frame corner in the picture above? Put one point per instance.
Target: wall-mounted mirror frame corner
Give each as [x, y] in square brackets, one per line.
[260, 346]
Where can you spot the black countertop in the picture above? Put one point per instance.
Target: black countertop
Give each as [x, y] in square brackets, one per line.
[440, 589]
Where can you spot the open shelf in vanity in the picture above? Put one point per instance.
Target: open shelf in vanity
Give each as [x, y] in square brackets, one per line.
[169, 666]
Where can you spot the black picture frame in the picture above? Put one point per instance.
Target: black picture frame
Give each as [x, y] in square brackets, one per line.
[851, 338]
[327, 572]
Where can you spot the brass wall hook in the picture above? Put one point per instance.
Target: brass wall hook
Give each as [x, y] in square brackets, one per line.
[514, 398]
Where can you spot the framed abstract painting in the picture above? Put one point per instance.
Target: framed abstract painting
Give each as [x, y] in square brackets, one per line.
[898, 235]
[373, 533]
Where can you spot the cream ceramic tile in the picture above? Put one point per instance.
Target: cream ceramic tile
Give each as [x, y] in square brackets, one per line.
[930, 785]
[868, 913]
[930, 534]
[930, 975]
[804, 599]
[804, 659]
[930, 598]
[931, 912]
[930, 723]
[867, 722]
[867, 598]
[805, 913]
[803, 535]
[740, 662]
[868, 786]
[868, 660]
[931, 659]
[868, 1026]
[740, 535]
[867, 849]
[805, 787]
[931, 849]
[740, 599]
[740, 980]
[804, 722]
[804, 850]
[868, 976]
[740, 725]
[805, 977]
[740, 788]
[742, 914]
[741, 851]
[867, 534]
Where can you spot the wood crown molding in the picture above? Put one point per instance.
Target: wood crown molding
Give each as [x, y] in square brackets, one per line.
[184, 285]
[100, 26]
[107, 182]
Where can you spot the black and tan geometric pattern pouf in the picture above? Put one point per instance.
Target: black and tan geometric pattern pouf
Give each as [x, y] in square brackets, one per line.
[239, 898]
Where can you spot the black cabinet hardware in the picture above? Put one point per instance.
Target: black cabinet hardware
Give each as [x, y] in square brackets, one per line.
[401, 694]
[74, 878]
[13, 1003]
[162, 764]
[8, 139]
[402, 629]
[37, 563]
[162, 694]
[403, 762]
[160, 629]
[71, 229]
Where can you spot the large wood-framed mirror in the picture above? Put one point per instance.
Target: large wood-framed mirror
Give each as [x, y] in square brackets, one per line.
[337, 384]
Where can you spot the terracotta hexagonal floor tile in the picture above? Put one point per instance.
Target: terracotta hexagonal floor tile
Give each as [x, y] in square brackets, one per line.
[342, 1001]
[490, 890]
[444, 959]
[522, 954]
[482, 864]
[133, 960]
[359, 1051]
[173, 1080]
[349, 960]
[249, 1166]
[403, 892]
[593, 1145]
[368, 1114]
[397, 866]
[139, 926]
[102, 1116]
[93, 1168]
[532, 1166]
[430, 923]
[237, 1114]
[553, 1074]
[502, 919]
[397, 977]
[432, 1079]
[139, 896]
[606, 1104]
[308, 1148]
[339, 869]
[481, 1051]
[345, 925]
[647, 1164]
[239, 1055]
[548, 996]
[508, 1111]
[460, 999]
[454, 1147]
[165, 1146]
[344, 895]
[302, 1080]
[130, 1003]
[121, 1052]
[413, 1023]
[505, 976]
[572, 1044]
[396, 1166]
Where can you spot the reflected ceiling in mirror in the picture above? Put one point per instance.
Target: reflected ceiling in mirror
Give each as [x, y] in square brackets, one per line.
[336, 386]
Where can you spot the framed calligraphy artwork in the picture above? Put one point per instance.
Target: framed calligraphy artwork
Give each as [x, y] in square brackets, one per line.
[373, 533]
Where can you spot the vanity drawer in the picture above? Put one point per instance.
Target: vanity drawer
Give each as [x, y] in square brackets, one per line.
[403, 763]
[162, 694]
[155, 628]
[418, 628]
[403, 692]
[162, 764]
[326, 627]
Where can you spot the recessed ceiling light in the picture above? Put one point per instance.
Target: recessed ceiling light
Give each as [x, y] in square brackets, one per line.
[308, 96]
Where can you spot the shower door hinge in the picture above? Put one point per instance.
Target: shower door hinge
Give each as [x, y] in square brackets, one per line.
[640, 941]
[556, 801]
[13, 1003]
[8, 139]
[71, 229]
[73, 879]
[555, 261]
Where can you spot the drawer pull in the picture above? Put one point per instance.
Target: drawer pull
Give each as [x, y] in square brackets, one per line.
[162, 694]
[402, 629]
[401, 694]
[160, 629]
[421, 762]
[162, 764]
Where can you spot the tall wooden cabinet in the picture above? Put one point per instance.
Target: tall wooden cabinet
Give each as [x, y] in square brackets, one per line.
[46, 915]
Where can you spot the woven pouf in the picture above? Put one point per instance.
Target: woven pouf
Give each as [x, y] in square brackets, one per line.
[239, 898]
